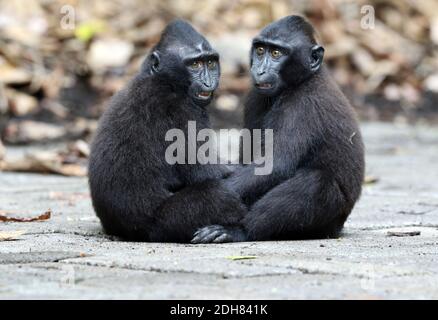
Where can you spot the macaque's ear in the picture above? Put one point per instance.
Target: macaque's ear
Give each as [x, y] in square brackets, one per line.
[317, 56]
[155, 62]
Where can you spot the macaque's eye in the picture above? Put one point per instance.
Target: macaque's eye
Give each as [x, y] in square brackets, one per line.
[196, 64]
[276, 53]
[211, 64]
[260, 51]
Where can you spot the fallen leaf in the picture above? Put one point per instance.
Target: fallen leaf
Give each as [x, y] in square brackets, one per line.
[11, 235]
[27, 131]
[431, 82]
[403, 233]
[2, 150]
[99, 60]
[80, 147]
[21, 104]
[13, 75]
[71, 170]
[44, 162]
[4, 103]
[234, 258]
[87, 30]
[371, 180]
[8, 217]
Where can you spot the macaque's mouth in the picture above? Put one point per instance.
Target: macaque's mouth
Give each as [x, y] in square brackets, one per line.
[264, 85]
[204, 94]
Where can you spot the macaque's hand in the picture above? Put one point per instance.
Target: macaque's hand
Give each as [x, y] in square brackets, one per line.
[219, 234]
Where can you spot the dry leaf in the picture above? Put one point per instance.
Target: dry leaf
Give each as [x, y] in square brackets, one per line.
[21, 104]
[403, 233]
[30, 131]
[80, 147]
[12, 75]
[98, 60]
[234, 258]
[10, 217]
[11, 235]
[71, 170]
[371, 180]
[2, 151]
[44, 162]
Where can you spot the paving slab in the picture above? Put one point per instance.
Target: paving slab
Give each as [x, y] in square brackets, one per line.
[389, 248]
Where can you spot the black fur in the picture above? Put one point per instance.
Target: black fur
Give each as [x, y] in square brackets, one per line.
[136, 194]
[318, 151]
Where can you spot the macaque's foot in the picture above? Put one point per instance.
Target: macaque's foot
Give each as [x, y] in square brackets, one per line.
[219, 234]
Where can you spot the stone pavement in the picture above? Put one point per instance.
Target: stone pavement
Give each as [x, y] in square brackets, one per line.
[69, 257]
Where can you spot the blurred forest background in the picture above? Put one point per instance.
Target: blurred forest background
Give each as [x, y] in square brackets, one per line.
[58, 69]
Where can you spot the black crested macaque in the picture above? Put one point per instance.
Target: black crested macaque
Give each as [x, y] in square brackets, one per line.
[318, 153]
[136, 194]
